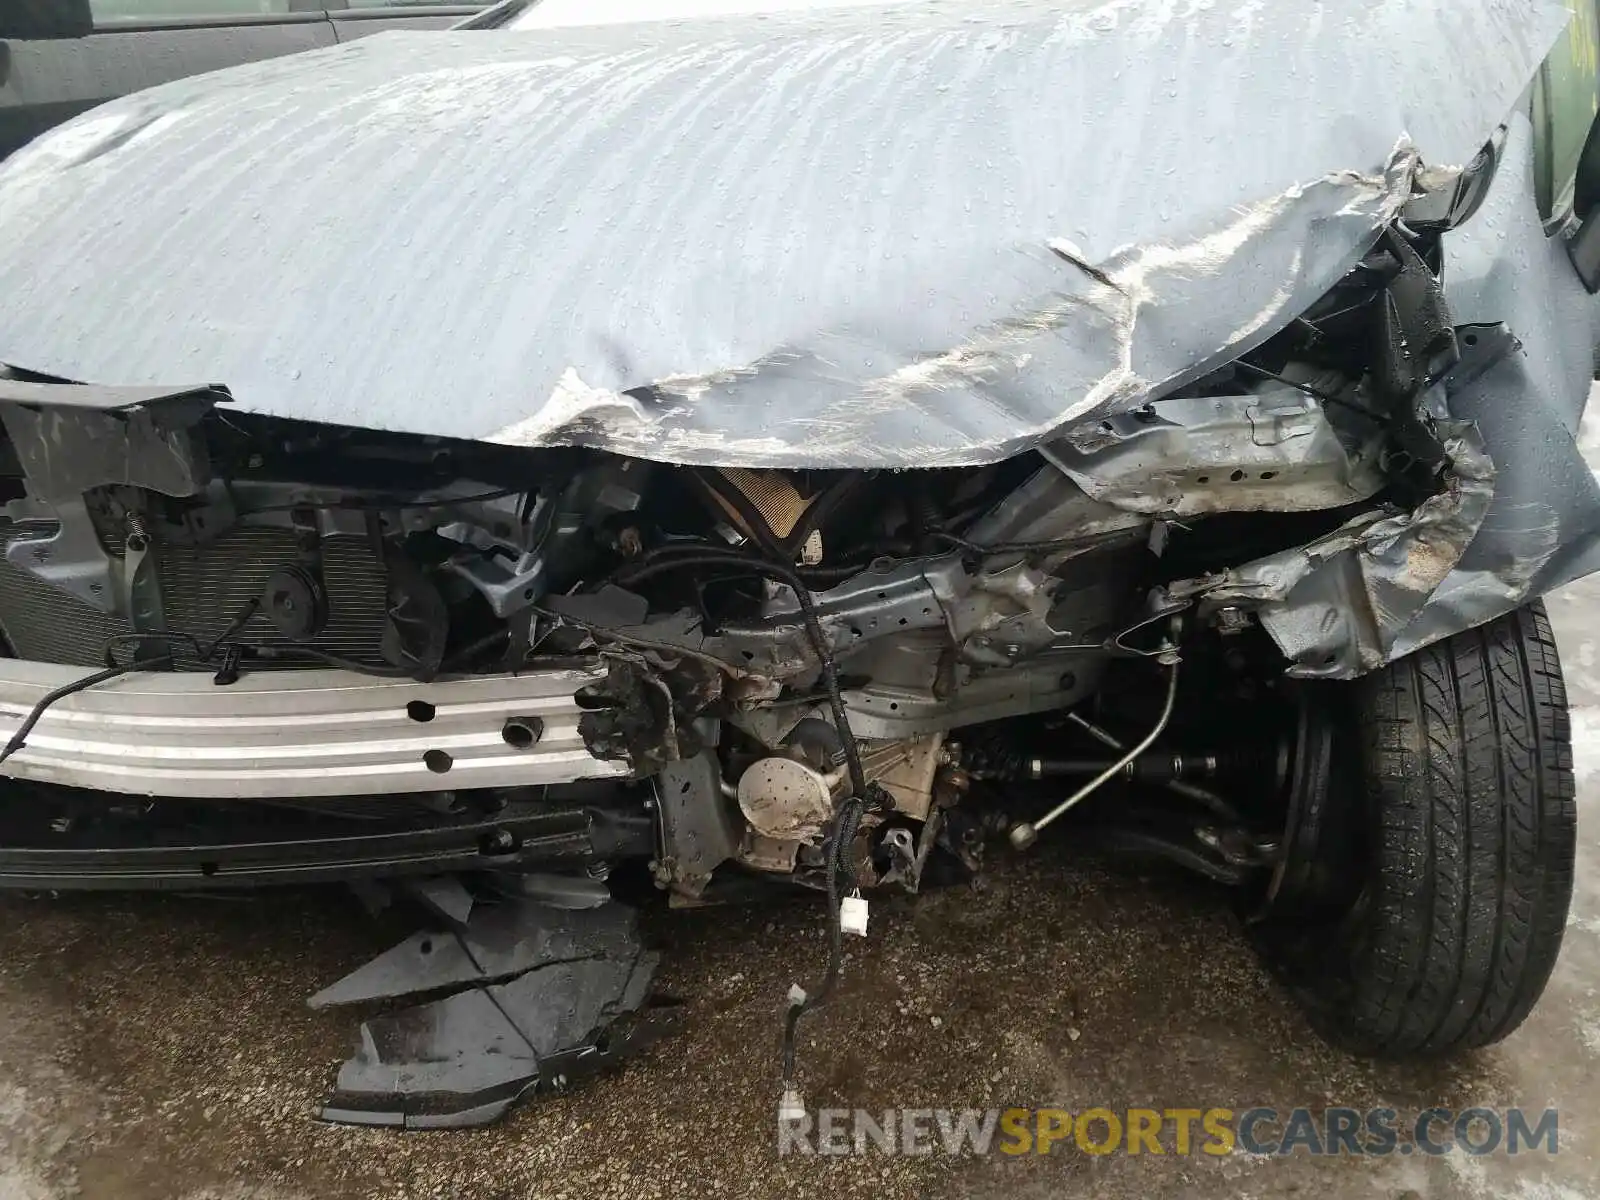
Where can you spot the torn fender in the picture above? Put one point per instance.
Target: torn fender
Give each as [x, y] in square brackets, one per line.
[1521, 514]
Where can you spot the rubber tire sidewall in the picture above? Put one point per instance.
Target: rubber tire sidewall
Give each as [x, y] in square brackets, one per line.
[1468, 832]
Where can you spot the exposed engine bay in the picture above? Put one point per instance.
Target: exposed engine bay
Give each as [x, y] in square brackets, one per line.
[764, 644]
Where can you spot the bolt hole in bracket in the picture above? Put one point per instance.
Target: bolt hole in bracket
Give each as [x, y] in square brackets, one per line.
[521, 733]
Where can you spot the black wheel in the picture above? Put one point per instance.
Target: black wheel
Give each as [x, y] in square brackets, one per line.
[1457, 841]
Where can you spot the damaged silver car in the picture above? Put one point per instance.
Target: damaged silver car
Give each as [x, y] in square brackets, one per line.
[813, 449]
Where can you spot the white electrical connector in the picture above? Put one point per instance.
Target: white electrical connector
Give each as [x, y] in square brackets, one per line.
[791, 1107]
[853, 915]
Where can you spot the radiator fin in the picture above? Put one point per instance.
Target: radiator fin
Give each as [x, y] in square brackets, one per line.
[203, 589]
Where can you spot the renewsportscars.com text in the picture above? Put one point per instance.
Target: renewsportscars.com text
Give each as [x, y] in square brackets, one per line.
[1179, 1131]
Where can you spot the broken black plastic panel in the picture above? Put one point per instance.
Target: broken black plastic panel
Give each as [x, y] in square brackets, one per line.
[540, 996]
[62, 838]
[1583, 247]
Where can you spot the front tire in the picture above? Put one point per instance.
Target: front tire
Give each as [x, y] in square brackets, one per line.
[1463, 841]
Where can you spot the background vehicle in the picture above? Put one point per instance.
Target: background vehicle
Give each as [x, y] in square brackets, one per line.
[61, 57]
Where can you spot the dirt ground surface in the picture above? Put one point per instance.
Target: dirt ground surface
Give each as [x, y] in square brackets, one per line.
[159, 1047]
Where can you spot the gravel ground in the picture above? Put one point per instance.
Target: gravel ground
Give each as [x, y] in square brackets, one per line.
[159, 1048]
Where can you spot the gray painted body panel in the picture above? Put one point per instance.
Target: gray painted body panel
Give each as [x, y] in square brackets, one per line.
[921, 235]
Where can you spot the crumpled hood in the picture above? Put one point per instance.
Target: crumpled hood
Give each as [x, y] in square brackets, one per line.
[918, 235]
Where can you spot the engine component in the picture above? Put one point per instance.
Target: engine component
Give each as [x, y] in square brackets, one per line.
[769, 854]
[515, 560]
[772, 494]
[418, 622]
[296, 603]
[911, 691]
[995, 617]
[785, 799]
[870, 606]
[700, 828]
[647, 716]
[906, 771]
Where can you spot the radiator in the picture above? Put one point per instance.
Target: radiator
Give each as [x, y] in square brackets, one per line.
[202, 590]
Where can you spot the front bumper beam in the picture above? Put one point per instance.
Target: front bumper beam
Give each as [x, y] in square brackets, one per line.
[275, 735]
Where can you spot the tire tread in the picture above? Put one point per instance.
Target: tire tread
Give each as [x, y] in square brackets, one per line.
[1467, 756]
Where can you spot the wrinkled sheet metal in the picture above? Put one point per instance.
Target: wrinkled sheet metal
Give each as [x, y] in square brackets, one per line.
[1277, 450]
[1335, 606]
[922, 234]
[1522, 513]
